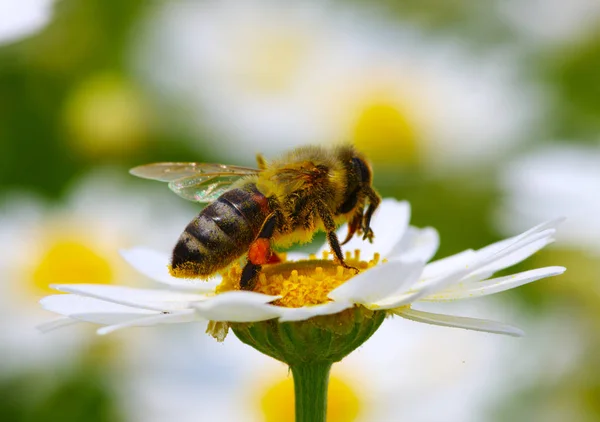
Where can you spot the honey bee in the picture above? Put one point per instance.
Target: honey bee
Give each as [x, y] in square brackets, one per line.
[280, 203]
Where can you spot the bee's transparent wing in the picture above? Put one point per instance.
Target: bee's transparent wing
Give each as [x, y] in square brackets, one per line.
[203, 188]
[198, 182]
[168, 172]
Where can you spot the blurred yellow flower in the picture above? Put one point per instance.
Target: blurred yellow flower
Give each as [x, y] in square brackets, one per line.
[378, 115]
[71, 260]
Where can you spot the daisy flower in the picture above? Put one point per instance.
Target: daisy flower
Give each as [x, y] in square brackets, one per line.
[273, 75]
[21, 18]
[394, 276]
[560, 179]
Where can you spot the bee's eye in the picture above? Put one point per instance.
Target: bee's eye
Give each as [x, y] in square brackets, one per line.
[362, 169]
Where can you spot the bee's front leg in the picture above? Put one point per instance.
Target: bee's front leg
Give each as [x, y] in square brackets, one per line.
[374, 201]
[259, 253]
[327, 218]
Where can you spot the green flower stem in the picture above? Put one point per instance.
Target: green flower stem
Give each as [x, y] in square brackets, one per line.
[310, 348]
[310, 390]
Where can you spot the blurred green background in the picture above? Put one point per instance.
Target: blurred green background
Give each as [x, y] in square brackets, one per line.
[445, 97]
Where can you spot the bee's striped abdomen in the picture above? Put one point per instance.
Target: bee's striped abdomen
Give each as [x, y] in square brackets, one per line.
[221, 233]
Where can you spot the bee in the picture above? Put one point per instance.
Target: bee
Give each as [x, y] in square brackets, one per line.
[250, 211]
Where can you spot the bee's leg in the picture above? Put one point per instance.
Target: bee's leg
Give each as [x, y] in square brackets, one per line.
[353, 226]
[374, 201]
[261, 161]
[332, 238]
[259, 253]
[249, 273]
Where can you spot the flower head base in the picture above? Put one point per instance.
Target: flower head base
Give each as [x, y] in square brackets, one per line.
[325, 338]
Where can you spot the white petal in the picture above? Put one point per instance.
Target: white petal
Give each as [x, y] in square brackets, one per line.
[509, 248]
[238, 306]
[396, 301]
[92, 310]
[422, 288]
[389, 224]
[306, 312]
[515, 254]
[417, 244]
[157, 300]
[172, 318]
[503, 244]
[483, 265]
[474, 324]
[449, 264]
[495, 285]
[379, 282]
[155, 265]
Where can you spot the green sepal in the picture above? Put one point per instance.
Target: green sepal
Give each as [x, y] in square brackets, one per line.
[327, 338]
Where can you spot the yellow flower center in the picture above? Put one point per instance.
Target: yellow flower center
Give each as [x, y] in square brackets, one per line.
[386, 133]
[70, 262]
[300, 283]
[343, 405]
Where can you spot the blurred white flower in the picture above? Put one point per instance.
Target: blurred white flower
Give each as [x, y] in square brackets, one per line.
[20, 18]
[392, 286]
[76, 241]
[422, 372]
[561, 180]
[551, 22]
[189, 377]
[268, 75]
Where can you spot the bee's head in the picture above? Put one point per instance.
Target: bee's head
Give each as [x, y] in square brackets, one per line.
[362, 169]
[359, 178]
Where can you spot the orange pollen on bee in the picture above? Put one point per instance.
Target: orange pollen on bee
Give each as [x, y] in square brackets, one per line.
[260, 251]
[299, 283]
